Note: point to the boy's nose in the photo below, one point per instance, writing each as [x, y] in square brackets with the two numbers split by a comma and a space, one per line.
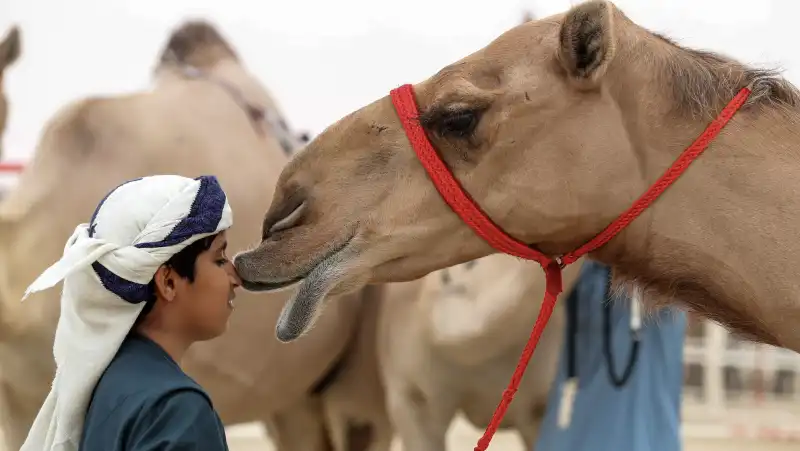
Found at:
[236, 281]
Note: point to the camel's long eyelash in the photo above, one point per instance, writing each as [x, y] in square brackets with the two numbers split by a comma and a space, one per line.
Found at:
[435, 113]
[430, 117]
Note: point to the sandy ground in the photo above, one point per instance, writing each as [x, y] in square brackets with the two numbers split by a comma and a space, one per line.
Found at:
[462, 437]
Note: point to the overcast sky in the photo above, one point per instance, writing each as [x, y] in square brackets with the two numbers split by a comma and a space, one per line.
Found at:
[323, 59]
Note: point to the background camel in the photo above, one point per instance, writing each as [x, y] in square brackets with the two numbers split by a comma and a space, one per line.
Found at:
[205, 115]
[449, 343]
[354, 404]
[10, 50]
[555, 128]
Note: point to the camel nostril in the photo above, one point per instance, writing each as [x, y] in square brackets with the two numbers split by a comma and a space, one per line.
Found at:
[285, 213]
[289, 221]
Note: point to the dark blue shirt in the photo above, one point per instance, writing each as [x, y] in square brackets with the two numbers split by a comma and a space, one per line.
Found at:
[145, 402]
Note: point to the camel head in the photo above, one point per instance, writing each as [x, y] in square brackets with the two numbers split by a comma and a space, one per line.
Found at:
[549, 129]
[196, 49]
[197, 43]
[10, 49]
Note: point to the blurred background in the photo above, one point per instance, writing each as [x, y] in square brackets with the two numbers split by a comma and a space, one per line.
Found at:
[324, 59]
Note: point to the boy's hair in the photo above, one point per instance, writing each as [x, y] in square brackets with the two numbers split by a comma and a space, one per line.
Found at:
[184, 264]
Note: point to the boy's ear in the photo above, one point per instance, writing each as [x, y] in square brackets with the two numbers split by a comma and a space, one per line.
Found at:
[165, 283]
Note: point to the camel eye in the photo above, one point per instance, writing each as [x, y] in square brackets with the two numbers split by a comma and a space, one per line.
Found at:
[458, 124]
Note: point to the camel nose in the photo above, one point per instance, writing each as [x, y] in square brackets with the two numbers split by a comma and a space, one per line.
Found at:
[285, 216]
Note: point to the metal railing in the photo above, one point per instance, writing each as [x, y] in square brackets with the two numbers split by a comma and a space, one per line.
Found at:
[738, 389]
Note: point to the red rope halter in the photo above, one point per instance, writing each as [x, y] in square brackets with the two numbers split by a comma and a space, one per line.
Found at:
[466, 208]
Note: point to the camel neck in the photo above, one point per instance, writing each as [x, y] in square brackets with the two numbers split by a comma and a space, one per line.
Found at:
[721, 238]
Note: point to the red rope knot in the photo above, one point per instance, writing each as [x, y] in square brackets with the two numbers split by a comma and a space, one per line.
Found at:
[552, 274]
[508, 393]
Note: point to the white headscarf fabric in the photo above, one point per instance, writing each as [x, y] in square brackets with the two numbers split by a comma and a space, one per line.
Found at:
[106, 267]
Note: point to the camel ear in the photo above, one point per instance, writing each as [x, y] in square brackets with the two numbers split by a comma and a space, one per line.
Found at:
[587, 41]
[10, 48]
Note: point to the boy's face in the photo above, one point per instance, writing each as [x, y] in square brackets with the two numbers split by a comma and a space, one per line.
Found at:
[205, 305]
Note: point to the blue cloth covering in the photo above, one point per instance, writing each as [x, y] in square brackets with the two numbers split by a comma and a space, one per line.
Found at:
[643, 415]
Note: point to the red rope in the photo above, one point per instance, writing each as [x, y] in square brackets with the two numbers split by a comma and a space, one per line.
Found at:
[449, 188]
[670, 175]
[469, 212]
[9, 166]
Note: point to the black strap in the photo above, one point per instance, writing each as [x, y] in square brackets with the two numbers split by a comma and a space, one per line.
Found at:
[617, 381]
[572, 333]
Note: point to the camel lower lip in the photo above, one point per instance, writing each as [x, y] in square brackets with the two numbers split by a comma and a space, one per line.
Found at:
[251, 285]
[266, 286]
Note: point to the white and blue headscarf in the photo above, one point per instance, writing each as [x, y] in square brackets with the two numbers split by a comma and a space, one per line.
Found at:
[106, 268]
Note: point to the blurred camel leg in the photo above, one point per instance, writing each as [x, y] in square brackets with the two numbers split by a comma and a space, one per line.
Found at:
[354, 403]
[422, 426]
[299, 428]
[529, 429]
[16, 415]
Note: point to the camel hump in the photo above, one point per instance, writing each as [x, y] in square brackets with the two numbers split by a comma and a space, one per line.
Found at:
[74, 130]
[66, 137]
[196, 43]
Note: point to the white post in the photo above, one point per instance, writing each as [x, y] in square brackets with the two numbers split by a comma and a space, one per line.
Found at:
[795, 384]
[795, 387]
[715, 337]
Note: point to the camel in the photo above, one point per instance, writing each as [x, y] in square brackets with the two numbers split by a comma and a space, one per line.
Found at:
[206, 114]
[354, 404]
[451, 340]
[554, 129]
[10, 50]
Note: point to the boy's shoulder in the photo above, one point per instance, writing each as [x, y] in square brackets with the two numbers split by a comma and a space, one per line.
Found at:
[143, 394]
[143, 370]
